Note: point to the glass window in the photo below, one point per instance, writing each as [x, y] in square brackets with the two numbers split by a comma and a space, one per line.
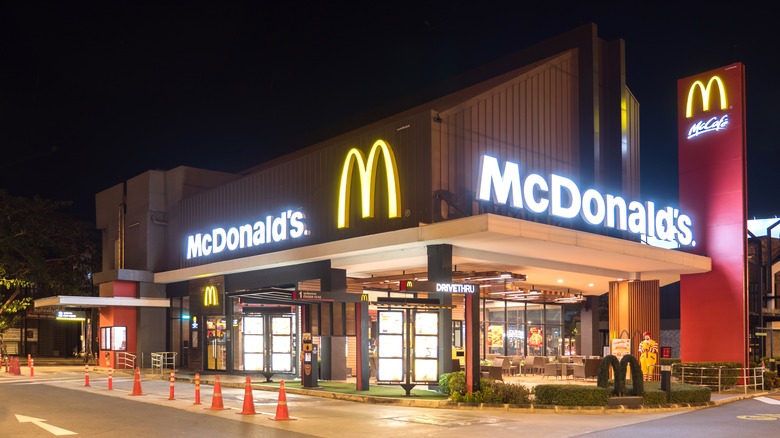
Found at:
[552, 314]
[535, 340]
[554, 340]
[515, 339]
[534, 313]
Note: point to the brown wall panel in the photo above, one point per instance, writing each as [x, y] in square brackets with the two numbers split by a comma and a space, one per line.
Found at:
[528, 119]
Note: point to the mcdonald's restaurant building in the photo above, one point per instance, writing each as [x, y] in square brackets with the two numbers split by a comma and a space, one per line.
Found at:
[465, 226]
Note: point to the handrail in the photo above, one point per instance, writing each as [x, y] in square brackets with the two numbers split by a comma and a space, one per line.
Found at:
[720, 378]
[125, 360]
[164, 360]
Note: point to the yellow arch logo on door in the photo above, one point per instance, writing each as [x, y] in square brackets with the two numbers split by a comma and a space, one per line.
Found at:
[367, 171]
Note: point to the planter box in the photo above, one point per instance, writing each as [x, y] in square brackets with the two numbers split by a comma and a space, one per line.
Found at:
[631, 402]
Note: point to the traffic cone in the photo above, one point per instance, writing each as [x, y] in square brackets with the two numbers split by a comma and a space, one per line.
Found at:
[249, 403]
[17, 367]
[216, 399]
[281, 406]
[137, 383]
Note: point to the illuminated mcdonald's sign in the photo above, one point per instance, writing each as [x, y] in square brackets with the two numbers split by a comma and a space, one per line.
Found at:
[367, 168]
[714, 123]
[210, 296]
[706, 93]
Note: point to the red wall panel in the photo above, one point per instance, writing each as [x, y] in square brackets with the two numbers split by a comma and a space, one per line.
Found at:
[713, 189]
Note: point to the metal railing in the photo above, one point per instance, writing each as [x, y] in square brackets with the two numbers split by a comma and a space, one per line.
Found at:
[720, 378]
[164, 360]
[125, 360]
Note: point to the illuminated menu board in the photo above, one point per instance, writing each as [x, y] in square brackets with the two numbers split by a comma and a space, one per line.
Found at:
[390, 346]
[281, 343]
[426, 347]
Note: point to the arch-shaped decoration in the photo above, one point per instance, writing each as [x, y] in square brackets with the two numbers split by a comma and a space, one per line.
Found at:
[619, 370]
[637, 378]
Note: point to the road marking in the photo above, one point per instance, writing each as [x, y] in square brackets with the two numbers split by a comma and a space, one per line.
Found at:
[40, 422]
[768, 400]
[759, 417]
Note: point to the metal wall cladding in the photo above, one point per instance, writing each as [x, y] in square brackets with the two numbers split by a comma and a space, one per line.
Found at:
[531, 120]
[309, 182]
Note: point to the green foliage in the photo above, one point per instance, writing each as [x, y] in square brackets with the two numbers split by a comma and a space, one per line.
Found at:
[43, 252]
[571, 395]
[680, 394]
[40, 245]
[611, 361]
[490, 391]
[629, 362]
[581, 395]
[493, 392]
[444, 383]
[708, 373]
[619, 370]
[771, 379]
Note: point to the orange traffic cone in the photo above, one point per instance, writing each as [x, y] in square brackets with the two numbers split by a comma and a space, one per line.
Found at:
[137, 383]
[249, 403]
[281, 406]
[216, 399]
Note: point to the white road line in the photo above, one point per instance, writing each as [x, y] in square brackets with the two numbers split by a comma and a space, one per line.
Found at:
[768, 400]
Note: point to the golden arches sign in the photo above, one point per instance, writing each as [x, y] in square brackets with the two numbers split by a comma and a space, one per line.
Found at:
[706, 92]
[367, 168]
[210, 296]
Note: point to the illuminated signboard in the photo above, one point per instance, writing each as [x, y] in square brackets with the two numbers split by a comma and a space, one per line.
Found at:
[713, 120]
[71, 315]
[432, 286]
[286, 225]
[367, 169]
[210, 296]
[561, 197]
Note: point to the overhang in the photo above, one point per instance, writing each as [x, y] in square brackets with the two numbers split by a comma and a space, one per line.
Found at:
[80, 301]
[547, 254]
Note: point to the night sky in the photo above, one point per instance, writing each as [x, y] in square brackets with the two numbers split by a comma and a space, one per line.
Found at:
[94, 93]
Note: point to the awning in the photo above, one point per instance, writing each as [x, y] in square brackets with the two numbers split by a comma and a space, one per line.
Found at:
[81, 301]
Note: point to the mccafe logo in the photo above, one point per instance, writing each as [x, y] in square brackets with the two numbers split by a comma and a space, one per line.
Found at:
[704, 92]
[559, 196]
[367, 168]
[210, 296]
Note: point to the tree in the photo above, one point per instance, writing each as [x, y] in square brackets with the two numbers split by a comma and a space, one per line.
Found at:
[43, 252]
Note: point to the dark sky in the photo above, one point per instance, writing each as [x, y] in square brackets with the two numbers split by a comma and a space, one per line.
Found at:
[94, 93]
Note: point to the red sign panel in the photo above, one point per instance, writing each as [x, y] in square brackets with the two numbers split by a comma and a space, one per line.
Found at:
[713, 190]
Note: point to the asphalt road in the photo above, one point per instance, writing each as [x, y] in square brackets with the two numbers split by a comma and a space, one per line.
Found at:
[59, 404]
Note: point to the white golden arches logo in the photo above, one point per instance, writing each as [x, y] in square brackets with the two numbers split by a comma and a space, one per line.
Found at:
[367, 171]
[706, 92]
[210, 296]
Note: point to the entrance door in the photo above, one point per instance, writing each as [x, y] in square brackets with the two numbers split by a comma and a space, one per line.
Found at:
[216, 353]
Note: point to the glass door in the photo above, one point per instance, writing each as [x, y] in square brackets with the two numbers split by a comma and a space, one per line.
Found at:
[216, 354]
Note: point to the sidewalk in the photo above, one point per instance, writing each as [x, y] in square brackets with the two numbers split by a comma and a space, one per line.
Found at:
[345, 390]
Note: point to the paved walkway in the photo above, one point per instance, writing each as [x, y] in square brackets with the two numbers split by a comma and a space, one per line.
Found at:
[53, 366]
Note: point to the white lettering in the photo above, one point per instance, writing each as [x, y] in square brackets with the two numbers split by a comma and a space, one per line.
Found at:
[218, 234]
[713, 124]
[287, 225]
[532, 181]
[490, 176]
[590, 198]
[557, 209]
[562, 198]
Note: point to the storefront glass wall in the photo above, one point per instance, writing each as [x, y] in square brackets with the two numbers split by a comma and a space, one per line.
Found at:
[521, 329]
